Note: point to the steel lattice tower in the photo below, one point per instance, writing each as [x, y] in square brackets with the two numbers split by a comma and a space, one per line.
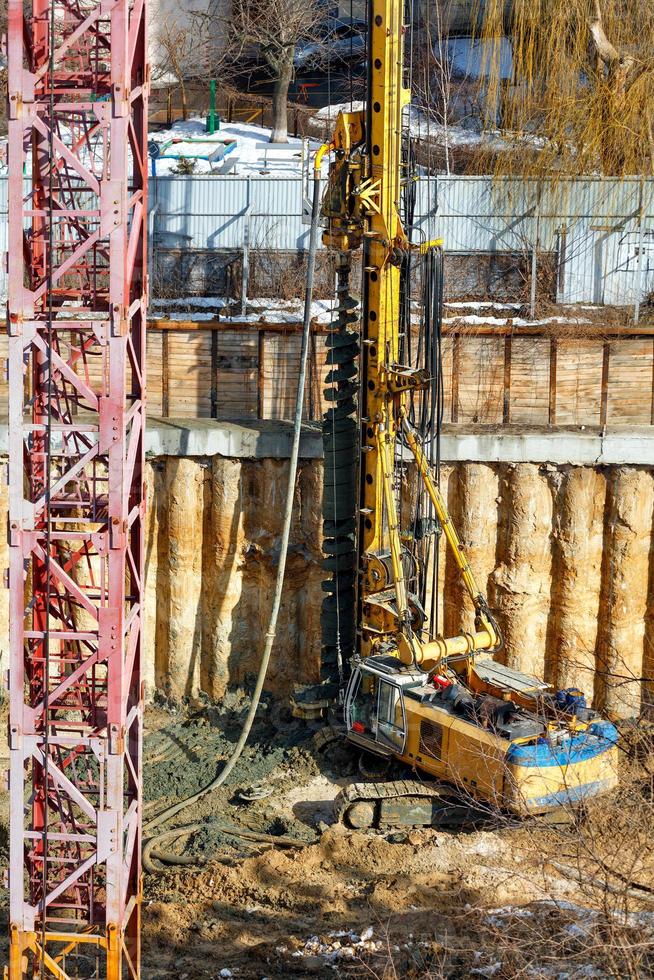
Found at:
[76, 320]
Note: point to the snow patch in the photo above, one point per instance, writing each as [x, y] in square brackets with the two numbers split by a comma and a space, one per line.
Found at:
[254, 153]
[493, 321]
[198, 302]
[332, 111]
[481, 305]
[199, 317]
[422, 127]
[258, 311]
[519, 322]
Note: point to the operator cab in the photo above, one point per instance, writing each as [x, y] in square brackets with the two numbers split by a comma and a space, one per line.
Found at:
[375, 713]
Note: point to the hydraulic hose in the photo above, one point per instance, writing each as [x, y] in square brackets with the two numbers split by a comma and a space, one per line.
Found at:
[271, 632]
[153, 847]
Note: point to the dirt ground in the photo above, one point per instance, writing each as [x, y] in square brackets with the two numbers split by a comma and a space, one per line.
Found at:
[504, 902]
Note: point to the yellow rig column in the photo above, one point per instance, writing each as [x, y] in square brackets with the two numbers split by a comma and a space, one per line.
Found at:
[362, 206]
[383, 240]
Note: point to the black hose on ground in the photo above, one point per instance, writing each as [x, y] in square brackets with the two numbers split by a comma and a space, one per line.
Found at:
[153, 847]
[220, 778]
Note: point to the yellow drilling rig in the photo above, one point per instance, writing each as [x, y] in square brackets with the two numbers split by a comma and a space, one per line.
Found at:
[468, 726]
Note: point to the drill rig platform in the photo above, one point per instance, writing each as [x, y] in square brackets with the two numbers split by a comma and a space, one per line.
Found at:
[442, 705]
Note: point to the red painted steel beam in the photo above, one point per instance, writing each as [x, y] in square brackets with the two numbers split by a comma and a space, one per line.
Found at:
[77, 83]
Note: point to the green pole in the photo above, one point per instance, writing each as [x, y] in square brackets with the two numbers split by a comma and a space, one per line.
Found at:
[211, 118]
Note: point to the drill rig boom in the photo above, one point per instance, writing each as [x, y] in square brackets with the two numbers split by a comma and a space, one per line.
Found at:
[362, 208]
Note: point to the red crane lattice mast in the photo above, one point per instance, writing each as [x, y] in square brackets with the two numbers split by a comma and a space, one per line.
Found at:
[77, 82]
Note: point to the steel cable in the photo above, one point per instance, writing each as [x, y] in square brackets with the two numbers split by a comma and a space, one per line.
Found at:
[153, 847]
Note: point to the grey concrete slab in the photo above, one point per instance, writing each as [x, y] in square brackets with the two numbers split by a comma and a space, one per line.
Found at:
[254, 439]
[582, 447]
[248, 439]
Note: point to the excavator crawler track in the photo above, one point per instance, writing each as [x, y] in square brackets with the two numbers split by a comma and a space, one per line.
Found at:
[403, 803]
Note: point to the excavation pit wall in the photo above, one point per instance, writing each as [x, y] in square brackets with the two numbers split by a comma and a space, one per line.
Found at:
[558, 528]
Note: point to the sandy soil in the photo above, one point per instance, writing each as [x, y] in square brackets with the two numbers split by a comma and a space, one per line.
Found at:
[411, 903]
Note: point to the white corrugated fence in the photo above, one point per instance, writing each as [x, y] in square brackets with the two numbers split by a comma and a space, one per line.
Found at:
[602, 230]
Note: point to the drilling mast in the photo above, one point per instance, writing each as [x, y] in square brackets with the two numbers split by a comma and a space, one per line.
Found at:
[78, 86]
[374, 603]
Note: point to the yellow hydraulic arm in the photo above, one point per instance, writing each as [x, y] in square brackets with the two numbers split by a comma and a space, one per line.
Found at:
[486, 636]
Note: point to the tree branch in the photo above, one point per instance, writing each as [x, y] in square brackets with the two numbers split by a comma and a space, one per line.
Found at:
[605, 50]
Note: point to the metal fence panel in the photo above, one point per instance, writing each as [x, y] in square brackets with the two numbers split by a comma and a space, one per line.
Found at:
[602, 228]
[629, 265]
[581, 266]
[610, 264]
[475, 214]
[217, 212]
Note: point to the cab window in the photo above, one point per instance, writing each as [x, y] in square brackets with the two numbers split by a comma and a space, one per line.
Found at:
[391, 727]
[361, 702]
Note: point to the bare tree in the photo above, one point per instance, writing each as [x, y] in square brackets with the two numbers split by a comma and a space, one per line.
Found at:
[432, 78]
[616, 72]
[186, 48]
[274, 28]
[196, 45]
[444, 79]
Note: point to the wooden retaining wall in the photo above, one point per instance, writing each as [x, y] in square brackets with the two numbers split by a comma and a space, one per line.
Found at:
[542, 375]
[493, 375]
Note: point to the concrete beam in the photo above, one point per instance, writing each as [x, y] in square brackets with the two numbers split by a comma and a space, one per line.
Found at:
[269, 439]
[506, 444]
[632, 445]
[248, 439]
[254, 439]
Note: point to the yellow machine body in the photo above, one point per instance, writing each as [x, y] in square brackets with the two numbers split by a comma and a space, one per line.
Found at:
[524, 766]
[478, 762]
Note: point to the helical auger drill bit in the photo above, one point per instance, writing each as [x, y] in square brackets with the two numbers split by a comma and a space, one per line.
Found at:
[341, 450]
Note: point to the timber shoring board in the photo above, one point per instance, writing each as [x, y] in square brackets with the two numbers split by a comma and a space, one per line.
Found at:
[481, 380]
[531, 375]
[628, 383]
[529, 397]
[578, 382]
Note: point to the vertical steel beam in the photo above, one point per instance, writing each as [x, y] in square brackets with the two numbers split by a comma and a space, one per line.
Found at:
[387, 101]
[78, 86]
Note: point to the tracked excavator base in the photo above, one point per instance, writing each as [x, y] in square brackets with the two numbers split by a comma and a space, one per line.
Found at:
[405, 803]
[387, 804]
